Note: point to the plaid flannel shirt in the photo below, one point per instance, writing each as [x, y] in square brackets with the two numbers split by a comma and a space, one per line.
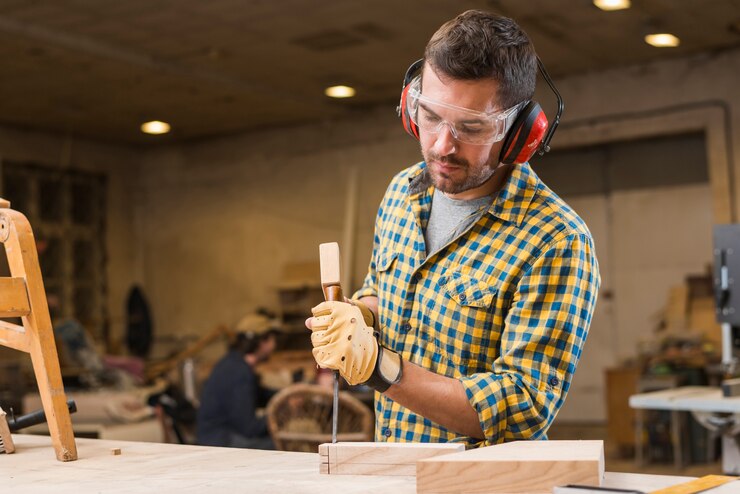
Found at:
[505, 307]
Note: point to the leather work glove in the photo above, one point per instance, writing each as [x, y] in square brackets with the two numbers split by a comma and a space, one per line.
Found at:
[343, 340]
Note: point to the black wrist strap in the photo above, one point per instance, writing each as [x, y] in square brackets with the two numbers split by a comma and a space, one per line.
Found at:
[389, 361]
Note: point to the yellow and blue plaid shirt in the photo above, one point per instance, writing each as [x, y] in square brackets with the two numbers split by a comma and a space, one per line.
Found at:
[505, 307]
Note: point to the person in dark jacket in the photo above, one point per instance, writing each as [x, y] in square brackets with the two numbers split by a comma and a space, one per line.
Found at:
[232, 393]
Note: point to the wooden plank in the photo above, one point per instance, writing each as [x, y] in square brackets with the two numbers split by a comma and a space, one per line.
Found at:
[519, 467]
[365, 458]
[13, 298]
[13, 336]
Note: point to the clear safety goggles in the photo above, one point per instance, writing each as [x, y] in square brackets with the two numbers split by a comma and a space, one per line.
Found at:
[465, 125]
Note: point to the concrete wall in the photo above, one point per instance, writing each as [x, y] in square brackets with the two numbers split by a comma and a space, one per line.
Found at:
[223, 218]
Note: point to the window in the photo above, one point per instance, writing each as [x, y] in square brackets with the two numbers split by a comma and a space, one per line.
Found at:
[67, 211]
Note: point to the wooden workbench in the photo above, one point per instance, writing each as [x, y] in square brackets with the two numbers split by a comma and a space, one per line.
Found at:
[165, 468]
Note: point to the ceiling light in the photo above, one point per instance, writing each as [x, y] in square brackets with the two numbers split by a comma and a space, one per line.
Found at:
[155, 127]
[612, 4]
[339, 91]
[662, 40]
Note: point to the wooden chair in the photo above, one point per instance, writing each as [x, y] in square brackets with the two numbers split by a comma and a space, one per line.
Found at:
[22, 295]
[299, 418]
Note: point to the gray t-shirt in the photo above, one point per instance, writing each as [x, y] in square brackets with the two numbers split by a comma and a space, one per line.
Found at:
[451, 217]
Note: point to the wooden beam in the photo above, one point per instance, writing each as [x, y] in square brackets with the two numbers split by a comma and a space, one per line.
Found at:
[365, 458]
[13, 298]
[530, 467]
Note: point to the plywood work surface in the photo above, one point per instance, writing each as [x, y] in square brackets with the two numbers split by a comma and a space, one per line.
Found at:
[163, 468]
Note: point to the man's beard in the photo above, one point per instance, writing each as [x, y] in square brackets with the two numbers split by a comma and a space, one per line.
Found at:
[473, 178]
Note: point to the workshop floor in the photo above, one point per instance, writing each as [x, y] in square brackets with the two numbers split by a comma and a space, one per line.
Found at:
[617, 464]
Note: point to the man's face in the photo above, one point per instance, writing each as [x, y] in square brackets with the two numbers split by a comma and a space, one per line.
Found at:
[459, 169]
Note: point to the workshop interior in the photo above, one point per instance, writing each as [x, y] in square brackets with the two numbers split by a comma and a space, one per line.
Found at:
[181, 180]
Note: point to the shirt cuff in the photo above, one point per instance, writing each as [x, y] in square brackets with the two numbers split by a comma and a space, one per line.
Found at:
[365, 291]
[485, 396]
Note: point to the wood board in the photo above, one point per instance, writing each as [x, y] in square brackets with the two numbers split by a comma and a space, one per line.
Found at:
[518, 467]
[367, 458]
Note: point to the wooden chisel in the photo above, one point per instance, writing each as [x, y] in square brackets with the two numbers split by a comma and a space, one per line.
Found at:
[329, 261]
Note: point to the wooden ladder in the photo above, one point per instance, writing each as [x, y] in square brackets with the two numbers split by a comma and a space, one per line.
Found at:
[22, 295]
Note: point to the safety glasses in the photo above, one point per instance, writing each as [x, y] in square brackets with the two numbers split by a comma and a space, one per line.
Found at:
[465, 125]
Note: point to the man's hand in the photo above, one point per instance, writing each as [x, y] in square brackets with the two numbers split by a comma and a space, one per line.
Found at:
[343, 341]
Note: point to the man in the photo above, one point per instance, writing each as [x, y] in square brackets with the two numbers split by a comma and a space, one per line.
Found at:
[482, 281]
[232, 393]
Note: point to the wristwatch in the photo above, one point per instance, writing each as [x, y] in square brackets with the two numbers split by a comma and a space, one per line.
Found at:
[388, 370]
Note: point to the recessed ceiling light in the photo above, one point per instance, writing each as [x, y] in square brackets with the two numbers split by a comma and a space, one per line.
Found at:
[612, 4]
[155, 127]
[662, 40]
[339, 91]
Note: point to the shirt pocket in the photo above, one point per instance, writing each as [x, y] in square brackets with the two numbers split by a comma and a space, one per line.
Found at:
[462, 322]
[385, 260]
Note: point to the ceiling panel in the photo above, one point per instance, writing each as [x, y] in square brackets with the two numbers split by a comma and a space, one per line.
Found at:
[98, 68]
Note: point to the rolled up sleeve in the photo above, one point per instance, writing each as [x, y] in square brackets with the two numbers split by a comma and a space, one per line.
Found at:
[542, 340]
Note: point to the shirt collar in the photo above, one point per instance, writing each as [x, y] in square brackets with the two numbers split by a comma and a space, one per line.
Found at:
[512, 201]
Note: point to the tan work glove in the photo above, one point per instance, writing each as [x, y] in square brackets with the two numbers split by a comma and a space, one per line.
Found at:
[343, 341]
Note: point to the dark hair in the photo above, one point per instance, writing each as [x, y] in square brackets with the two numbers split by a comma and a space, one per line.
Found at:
[246, 343]
[477, 45]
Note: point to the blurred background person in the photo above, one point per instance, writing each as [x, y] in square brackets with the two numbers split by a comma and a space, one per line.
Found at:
[233, 393]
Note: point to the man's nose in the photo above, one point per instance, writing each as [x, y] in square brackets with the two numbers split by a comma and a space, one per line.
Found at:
[445, 143]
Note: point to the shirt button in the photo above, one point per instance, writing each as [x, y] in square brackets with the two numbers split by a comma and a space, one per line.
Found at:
[407, 327]
[462, 297]
[387, 433]
[554, 381]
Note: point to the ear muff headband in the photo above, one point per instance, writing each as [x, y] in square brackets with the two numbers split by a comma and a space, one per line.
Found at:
[530, 132]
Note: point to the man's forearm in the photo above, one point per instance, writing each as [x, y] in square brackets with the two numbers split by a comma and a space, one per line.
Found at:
[438, 398]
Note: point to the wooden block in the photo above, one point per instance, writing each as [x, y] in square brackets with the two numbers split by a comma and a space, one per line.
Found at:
[115, 451]
[364, 458]
[530, 467]
[13, 298]
[6, 440]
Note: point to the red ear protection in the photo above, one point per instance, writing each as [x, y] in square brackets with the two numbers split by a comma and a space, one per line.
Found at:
[408, 124]
[530, 132]
[525, 135]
